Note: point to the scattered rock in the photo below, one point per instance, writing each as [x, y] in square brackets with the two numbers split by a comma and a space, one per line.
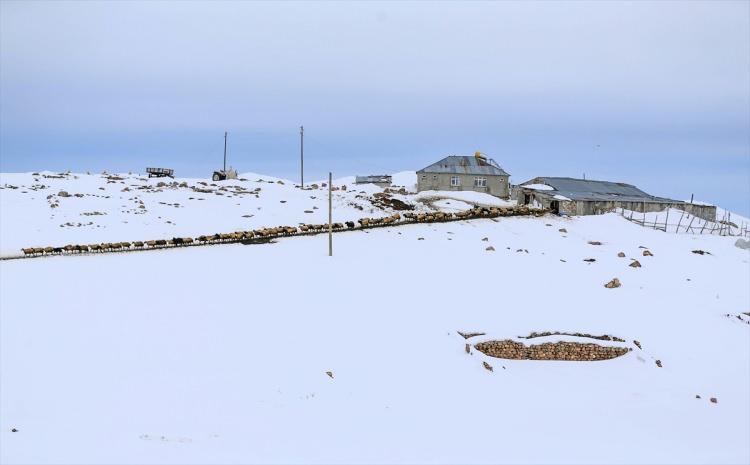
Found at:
[635, 264]
[420, 238]
[638, 344]
[468, 348]
[330, 374]
[490, 249]
[13, 430]
[743, 244]
[621, 254]
[282, 201]
[64, 194]
[487, 366]
[309, 211]
[701, 252]
[697, 396]
[613, 284]
[714, 400]
[595, 243]
[647, 253]
[658, 363]
[562, 230]
[485, 239]
[590, 260]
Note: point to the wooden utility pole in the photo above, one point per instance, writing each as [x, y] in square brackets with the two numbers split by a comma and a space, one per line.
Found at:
[302, 157]
[225, 151]
[330, 215]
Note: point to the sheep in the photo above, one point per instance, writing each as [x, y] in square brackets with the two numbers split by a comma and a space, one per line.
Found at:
[138, 244]
[95, 247]
[350, 224]
[161, 242]
[151, 243]
[187, 240]
[28, 251]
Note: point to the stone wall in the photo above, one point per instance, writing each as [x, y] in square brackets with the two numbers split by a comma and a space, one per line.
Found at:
[572, 351]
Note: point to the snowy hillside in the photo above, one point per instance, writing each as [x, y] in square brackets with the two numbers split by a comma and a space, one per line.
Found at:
[55, 209]
[277, 353]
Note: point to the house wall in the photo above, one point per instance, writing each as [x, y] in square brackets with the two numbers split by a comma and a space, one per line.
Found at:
[379, 184]
[706, 212]
[496, 185]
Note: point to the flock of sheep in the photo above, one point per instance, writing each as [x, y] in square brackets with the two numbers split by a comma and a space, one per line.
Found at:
[282, 231]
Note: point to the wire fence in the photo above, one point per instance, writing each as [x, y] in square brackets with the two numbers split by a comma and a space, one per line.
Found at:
[687, 223]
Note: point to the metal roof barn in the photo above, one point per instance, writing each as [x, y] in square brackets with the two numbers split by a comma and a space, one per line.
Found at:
[589, 190]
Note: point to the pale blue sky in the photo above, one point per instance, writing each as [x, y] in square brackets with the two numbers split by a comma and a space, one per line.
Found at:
[652, 93]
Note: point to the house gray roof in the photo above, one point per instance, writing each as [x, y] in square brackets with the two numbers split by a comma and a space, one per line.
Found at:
[585, 189]
[456, 164]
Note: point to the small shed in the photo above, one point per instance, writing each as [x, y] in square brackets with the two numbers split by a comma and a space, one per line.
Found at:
[382, 180]
[570, 196]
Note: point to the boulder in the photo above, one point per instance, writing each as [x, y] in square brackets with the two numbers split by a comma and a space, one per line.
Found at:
[613, 284]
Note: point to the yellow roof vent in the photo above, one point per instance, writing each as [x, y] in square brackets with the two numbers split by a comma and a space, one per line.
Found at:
[480, 155]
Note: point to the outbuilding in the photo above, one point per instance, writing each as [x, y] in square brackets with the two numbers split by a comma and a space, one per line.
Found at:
[465, 173]
[570, 196]
[381, 180]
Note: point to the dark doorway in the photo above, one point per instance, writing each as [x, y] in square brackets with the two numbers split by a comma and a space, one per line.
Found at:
[555, 207]
[526, 199]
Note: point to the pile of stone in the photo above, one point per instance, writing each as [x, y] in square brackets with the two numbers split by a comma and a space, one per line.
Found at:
[571, 351]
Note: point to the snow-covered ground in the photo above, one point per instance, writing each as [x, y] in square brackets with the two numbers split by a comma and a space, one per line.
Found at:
[219, 354]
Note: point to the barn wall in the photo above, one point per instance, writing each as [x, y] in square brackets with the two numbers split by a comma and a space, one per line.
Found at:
[706, 212]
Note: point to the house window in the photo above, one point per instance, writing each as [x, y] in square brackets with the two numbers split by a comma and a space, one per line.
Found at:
[424, 177]
[480, 182]
[455, 181]
[434, 178]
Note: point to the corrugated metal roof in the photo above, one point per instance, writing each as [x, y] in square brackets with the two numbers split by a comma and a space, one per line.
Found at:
[457, 164]
[586, 189]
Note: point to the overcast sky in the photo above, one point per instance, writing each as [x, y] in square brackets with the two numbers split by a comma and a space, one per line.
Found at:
[652, 93]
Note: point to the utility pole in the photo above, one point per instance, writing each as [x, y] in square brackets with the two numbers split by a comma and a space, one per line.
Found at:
[302, 157]
[225, 151]
[330, 215]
